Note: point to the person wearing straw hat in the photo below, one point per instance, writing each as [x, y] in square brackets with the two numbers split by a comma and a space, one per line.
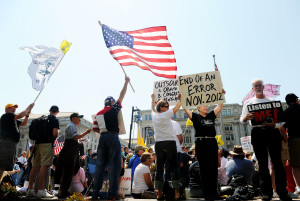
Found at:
[10, 134]
[240, 165]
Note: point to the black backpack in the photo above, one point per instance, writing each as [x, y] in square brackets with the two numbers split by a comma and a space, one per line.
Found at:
[38, 129]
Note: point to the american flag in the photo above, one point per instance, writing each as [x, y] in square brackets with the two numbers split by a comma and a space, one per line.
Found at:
[147, 48]
[58, 144]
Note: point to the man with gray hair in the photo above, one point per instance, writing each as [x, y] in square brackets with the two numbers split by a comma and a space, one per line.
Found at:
[266, 140]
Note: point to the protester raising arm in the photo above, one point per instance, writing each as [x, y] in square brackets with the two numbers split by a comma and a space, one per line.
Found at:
[153, 103]
[123, 92]
[219, 107]
[25, 112]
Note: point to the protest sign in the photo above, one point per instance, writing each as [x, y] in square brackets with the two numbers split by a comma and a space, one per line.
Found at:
[125, 186]
[166, 90]
[201, 89]
[246, 144]
[265, 112]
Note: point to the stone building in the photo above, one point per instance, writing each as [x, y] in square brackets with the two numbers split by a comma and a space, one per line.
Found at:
[233, 130]
[64, 120]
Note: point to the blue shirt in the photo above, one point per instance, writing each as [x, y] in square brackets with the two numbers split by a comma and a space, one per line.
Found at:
[243, 167]
[71, 131]
[134, 162]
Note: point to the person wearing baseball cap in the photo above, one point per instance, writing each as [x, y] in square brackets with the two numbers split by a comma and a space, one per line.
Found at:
[10, 134]
[291, 117]
[43, 155]
[69, 156]
[106, 123]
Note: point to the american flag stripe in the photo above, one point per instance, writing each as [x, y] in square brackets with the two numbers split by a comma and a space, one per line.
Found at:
[147, 48]
[146, 56]
[59, 144]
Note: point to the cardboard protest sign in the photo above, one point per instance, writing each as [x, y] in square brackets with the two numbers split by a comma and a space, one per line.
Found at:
[246, 144]
[265, 112]
[201, 89]
[125, 187]
[166, 90]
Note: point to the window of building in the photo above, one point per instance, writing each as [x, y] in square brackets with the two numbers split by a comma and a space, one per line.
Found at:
[146, 117]
[187, 139]
[232, 137]
[174, 116]
[95, 147]
[229, 111]
[227, 137]
[224, 112]
[228, 127]
[150, 117]
[185, 116]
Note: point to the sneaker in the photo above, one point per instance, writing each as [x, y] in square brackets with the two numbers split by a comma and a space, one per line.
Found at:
[275, 195]
[293, 195]
[30, 193]
[43, 194]
[297, 192]
[55, 192]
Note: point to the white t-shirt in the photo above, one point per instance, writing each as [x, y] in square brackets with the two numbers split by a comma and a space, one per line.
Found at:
[222, 177]
[251, 101]
[139, 184]
[177, 131]
[163, 127]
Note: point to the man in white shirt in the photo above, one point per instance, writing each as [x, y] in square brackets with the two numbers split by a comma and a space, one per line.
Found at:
[266, 139]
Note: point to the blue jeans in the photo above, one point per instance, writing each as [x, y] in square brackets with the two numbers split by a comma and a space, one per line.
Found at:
[19, 178]
[108, 153]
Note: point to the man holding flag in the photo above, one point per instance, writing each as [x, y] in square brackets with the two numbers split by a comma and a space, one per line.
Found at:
[109, 147]
[10, 134]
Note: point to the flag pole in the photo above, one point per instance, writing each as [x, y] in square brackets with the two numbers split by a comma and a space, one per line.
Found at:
[51, 75]
[120, 64]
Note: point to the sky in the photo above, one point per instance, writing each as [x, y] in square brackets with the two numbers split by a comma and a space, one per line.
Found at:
[251, 39]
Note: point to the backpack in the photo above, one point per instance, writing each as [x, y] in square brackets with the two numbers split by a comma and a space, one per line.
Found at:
[38, 129]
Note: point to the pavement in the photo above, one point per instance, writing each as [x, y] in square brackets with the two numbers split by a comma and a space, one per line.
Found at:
[132, 199]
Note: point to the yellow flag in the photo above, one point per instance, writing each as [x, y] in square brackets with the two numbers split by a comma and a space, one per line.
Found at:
[141, 140]
[65, 45]
[189, 122]
[219, 140]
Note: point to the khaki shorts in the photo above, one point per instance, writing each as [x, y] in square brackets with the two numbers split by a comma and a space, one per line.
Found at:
[285, 151]
[43, 155]
[294, 148]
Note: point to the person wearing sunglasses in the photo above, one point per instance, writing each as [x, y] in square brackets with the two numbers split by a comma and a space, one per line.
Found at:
[165, 145]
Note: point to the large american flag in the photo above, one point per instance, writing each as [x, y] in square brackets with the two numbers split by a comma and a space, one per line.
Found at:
[147, 48]
[58, 144]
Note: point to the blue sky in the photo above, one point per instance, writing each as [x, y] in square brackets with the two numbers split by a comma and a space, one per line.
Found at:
[249, 38]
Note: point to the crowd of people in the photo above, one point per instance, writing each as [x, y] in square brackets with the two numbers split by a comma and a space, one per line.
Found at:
[169, 171]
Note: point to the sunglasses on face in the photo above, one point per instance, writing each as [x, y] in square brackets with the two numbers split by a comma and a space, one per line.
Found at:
[166, 106]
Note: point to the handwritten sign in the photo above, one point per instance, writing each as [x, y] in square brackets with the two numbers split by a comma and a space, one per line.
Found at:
[201, 89]
[265, 112]
[125, 186]
[166, 90]
[246, 144]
